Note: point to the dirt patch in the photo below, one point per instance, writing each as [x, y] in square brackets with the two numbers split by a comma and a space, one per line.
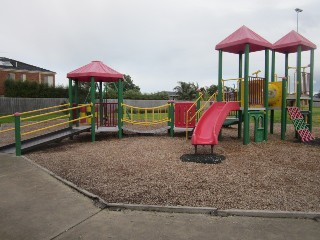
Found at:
[274, 175]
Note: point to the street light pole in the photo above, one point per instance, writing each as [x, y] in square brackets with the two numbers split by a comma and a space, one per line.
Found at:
[298, 10]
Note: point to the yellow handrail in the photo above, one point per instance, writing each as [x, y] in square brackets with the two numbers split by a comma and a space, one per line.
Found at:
[142, 114]
[42, 109]
[46, 114]
[43, 121]
[197, 113]
[55, 125]
[7, 130]
[11, 115]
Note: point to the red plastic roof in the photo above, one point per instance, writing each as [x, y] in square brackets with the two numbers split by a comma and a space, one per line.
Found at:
[290, 42]
[96, 69]
[235, 43]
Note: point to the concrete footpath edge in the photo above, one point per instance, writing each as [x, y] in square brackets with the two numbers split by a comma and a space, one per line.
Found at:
[99, 202]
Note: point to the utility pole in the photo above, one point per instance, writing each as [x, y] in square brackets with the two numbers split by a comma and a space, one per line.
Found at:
[298, 10]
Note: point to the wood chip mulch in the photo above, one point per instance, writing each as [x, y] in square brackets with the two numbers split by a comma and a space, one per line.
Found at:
[273, 175]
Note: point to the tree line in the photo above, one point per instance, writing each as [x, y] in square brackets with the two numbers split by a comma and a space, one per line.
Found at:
[31, 89]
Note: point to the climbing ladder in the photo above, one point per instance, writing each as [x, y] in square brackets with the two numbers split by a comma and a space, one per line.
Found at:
[299, 124]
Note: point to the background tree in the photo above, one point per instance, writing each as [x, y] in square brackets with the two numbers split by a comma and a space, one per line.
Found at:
[212, 89]
[186, 91]
[129, 85]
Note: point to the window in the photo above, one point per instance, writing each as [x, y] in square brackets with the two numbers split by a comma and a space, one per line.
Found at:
[11, 76]
[48, 80]
[6, 63]
[23, 77]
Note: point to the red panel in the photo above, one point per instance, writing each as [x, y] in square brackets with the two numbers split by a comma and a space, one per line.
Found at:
[180, 111]
[110, 114]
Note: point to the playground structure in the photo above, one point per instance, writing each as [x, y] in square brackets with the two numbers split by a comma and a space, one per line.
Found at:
[255, 98]
[257, 95]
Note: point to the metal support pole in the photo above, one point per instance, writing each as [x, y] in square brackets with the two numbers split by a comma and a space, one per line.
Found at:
[120, 110]
[286, 72]
[93, 100]
[239, 95]
[17, 132]
[171, 118]
[311, 88]
[273, 66]
[220, 77]
[70, 101]
[76, 96]
[266, 94]
[299, 76]
[100, 104]
[283, 108]
[246, 137]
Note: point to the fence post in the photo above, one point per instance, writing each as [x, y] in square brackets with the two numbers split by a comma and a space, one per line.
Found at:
[17, 133]
[171, 117]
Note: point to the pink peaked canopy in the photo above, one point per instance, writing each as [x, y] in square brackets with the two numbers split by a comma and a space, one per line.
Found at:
[96, 69]
[290, 42]
[235, 43]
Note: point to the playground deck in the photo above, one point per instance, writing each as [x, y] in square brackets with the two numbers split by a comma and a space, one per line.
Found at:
[32, 143]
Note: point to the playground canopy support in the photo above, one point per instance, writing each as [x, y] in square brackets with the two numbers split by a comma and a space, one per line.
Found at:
[244, 41]
[96, 71]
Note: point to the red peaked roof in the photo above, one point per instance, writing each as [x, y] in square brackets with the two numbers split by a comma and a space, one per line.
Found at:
[235, 43]
[96, 69]
[290, 42]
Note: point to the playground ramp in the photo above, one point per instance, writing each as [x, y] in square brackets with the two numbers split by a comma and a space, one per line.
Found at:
[207, 130]
[32, 143]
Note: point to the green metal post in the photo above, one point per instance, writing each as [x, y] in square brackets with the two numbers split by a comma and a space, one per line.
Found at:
[266, 94]
[93, 101]
[220, 77]
[311, 88]
[100, 104]
[283, 108]
[120, 109]
[70, 101]
[286, 73]
[239, 96]
[246, 137]
[171, 117]
[299, 76]
[17, 133]
[273, 67]
[76, 96]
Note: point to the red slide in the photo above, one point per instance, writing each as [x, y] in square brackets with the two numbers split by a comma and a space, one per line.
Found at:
[209, 125]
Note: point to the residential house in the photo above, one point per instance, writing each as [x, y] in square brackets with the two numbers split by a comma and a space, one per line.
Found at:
[19, 71]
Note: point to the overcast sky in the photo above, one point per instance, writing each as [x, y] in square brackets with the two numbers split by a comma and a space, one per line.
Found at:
[157, 43]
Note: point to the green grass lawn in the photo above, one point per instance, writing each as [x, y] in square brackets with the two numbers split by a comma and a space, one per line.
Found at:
[10, 119]
[315, 115]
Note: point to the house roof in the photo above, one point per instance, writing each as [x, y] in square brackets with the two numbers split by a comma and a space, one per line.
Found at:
[7, 63]
[290, 42]
[96, 69]
[235, 43]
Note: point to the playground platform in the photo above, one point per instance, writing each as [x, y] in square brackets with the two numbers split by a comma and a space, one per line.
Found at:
[32, 143]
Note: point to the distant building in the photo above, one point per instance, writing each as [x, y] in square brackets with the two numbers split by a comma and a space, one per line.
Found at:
[19, 71]
[172, 95]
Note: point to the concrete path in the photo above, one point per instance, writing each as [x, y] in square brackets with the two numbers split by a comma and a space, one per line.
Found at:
[34, 205]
